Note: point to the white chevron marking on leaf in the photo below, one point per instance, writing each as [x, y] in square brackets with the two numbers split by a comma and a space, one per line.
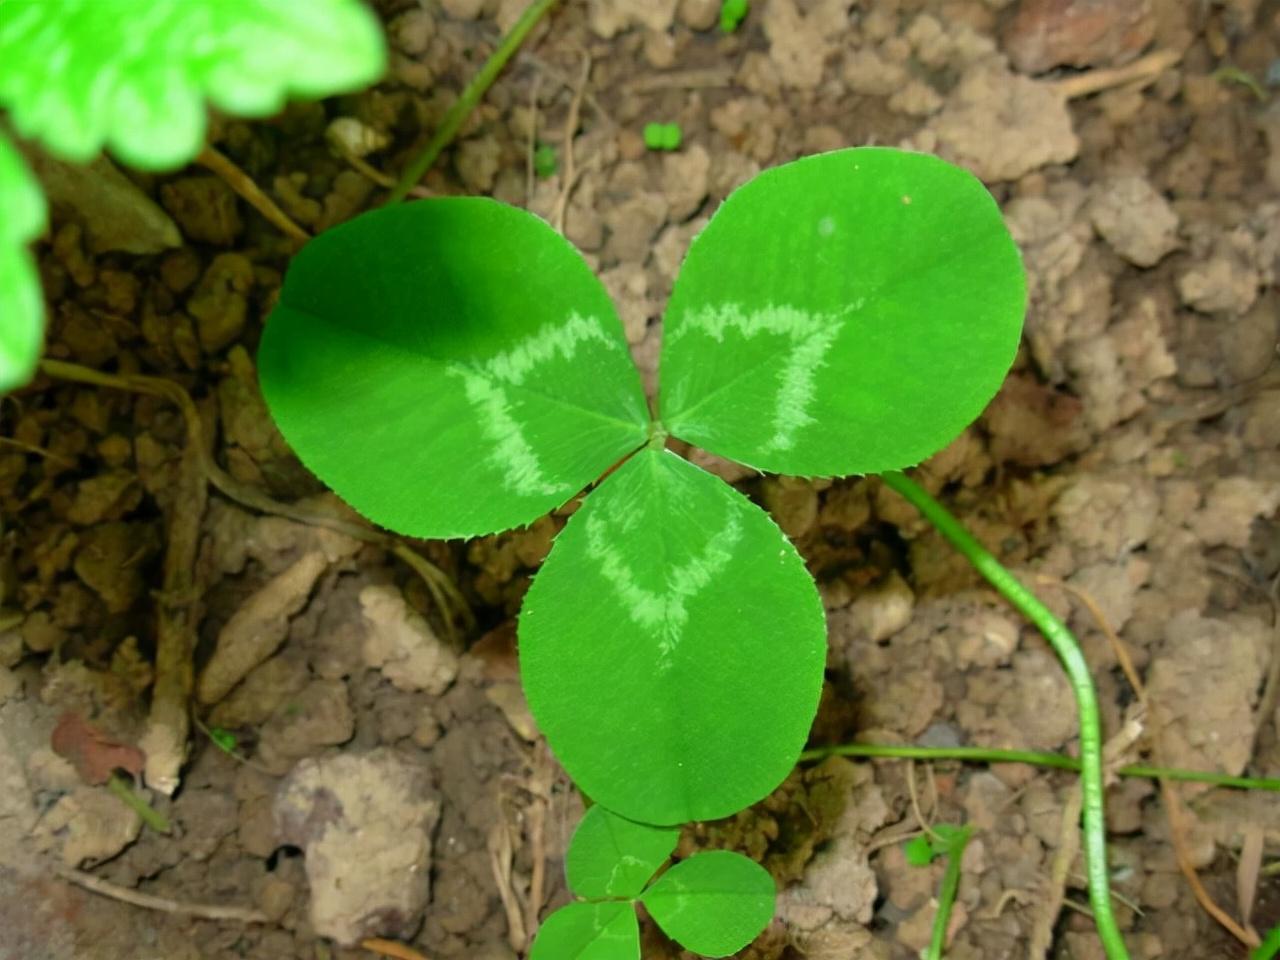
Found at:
[485, 388]
[663, 611]
[810, 337]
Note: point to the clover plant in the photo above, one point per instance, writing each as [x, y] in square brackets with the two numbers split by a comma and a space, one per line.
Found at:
[453, 368]
[713, 903]
[81, 75]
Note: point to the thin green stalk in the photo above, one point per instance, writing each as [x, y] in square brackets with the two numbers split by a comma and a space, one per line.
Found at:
[150, 816]
[468, 99]
[1058, 761]
[1068, 651]
[947, 895]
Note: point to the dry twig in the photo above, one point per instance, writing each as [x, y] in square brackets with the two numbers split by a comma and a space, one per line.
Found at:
[569, 173]
[501, 855]
[1051, 905]
[532, 144]
[148, 902]
[177, 618]
[1143, 70]
[243, 184]
[367, 170]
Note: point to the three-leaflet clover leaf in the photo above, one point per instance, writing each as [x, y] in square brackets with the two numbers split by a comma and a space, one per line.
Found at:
[610, 856]
[450, 367]
[861, 307]
[672, 645]
[714, 903]
[22, 217]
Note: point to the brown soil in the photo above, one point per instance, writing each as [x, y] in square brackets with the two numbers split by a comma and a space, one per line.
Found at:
[1133, 455]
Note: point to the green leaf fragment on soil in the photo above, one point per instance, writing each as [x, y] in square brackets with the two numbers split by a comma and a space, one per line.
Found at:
[450, 367]
[611, 856]
[672, 645]
[81, 74]
[589, 931]
[732, 13]
[22, 218]
[545, 160]
[713, 903]
[663, 136]
[851, 312]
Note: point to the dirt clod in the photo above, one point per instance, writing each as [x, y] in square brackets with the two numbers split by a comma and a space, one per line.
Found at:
[364, 823]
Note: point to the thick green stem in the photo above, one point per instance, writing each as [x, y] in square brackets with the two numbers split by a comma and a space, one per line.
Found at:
[468, 99]
[1068, 650]
[1057, 761]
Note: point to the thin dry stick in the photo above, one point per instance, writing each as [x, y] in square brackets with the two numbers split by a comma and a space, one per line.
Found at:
[1247, 872]
[539, 787]
[38, 451]
[1021, 897]
[177, 619]
[202, 910]
[1095, 81]
[570, 130]
[533, 60]
[925, 823]
[1172, 801]
[1068, 846]
[243, 184]
[389, 948]
[500, 858]
[370, 172]
[681, 80]
[436, 582]
[532, 144]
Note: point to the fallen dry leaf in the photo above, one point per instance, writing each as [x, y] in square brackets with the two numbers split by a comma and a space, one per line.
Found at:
[91, 752]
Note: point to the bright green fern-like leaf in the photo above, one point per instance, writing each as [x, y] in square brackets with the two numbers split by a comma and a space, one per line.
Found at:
[847, 313]
[614, 857]
[713, 903]
[450, 367]
[22, 217]
[672, 624]
[133, 76]
[589, 931]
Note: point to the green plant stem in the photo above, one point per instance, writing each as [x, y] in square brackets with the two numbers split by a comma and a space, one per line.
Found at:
[150, 816]
[1269, 947]
[468, 99]
[1035, 758]
[947, 895]
[1068, 651]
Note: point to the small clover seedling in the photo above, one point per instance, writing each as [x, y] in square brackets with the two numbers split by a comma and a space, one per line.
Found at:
[663, 136]
[80, 75]
[545, 161]
[453, 368]
[732, 13]
[943, 840]
[713, 903]
[923, 850]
